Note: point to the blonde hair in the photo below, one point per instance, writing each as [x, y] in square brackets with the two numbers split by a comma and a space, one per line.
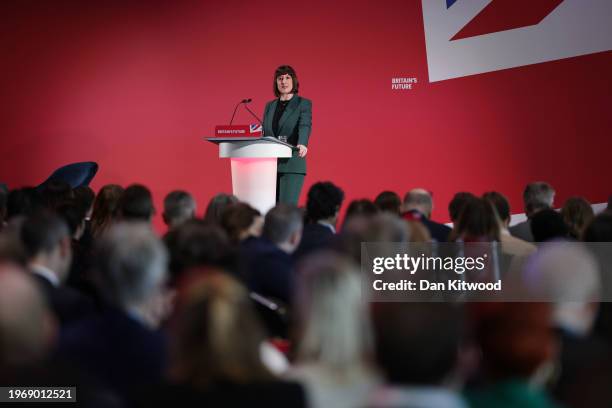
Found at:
[333, 322]
[217, 336]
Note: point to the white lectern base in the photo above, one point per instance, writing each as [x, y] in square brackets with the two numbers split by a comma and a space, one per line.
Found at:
[254, 181]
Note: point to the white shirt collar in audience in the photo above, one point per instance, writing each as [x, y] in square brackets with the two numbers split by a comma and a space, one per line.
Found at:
[328, 225]
[46, 273]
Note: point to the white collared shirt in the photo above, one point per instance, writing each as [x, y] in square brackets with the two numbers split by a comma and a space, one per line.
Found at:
[46, 273]
[328, 225]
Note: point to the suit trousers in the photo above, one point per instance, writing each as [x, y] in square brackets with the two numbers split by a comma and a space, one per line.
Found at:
[288, 187]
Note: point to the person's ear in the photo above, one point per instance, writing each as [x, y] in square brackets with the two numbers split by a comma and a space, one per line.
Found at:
[296, 237]
[65, 247]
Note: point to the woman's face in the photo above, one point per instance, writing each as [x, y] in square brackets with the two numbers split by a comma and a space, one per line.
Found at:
[284, 83]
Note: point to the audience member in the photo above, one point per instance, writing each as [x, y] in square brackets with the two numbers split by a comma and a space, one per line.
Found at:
[216, 206]
[477, 222]
[85, 198]
[241, 221]
[216, 353]
[455, 206]
[510, 244]
[362, 207]
[322, 209]
[55, 193]
[547, 225]
[179, 206]
[120, 346]
[418, 205]
[47, 243]
[536, 197]
[106, 209]
[518, 347]
[24, 201]
[568, 276]
[577, 214]
[136, 204]
[27, 327]
[269, 258]
[333, 333]
[196, 244]
[598, 235]
[417, 347]
[389, 201]
[3, 206]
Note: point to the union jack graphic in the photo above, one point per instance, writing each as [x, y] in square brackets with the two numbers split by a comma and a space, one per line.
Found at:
[467, 37]
[255, 128]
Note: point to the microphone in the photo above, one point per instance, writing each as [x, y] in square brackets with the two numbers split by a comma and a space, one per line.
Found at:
[251, 112]
[236, 108]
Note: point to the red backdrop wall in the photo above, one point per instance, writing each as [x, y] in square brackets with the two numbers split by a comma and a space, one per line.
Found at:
[135, 86]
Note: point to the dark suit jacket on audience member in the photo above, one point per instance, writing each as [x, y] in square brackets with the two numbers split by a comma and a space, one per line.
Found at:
[120, 351]
[522, 230]
[269, 269]
[439, 232]
[314, 236]
[265, 394]
[68, 304]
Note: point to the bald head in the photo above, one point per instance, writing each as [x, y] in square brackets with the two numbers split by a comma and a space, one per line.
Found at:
[27, 327]
[418, 199]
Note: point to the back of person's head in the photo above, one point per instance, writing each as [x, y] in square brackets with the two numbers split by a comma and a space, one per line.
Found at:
[43, 232]
[216, 206]
[106, 208]
[599, 229]
[3, 204]
[477, 221]
[12, 251]
[324, 201]
[130, 265]
[216, 334]
[419, 199]
[386, 227]
[516, 338]
[55, 193]
[196, 243]
[456, 204]
[417, 343]
[538, 196]
[362, 207]
[577, 214]
[501, 205]
[24, 201]
[566, 274]
[136, 204]
[389, 201]
[240, 220]
[333, 325]
[283, 224]
[27, 327]
[179, 206]
[548, 224]
[73, 213]
[85, 197]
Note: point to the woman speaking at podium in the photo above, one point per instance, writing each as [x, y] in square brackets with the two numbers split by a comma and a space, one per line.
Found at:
[289, 118]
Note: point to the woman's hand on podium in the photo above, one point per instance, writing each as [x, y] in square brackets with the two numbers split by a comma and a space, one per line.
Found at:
[303, 150]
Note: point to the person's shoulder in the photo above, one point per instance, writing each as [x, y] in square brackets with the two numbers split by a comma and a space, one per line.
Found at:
[305, 101]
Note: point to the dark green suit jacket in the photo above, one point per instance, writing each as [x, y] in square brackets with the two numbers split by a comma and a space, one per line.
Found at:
[295, 123]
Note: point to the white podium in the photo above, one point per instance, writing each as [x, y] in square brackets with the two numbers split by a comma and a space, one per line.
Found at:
[253, 162]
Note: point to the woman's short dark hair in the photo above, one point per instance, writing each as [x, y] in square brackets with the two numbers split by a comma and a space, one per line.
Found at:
[282, 70]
